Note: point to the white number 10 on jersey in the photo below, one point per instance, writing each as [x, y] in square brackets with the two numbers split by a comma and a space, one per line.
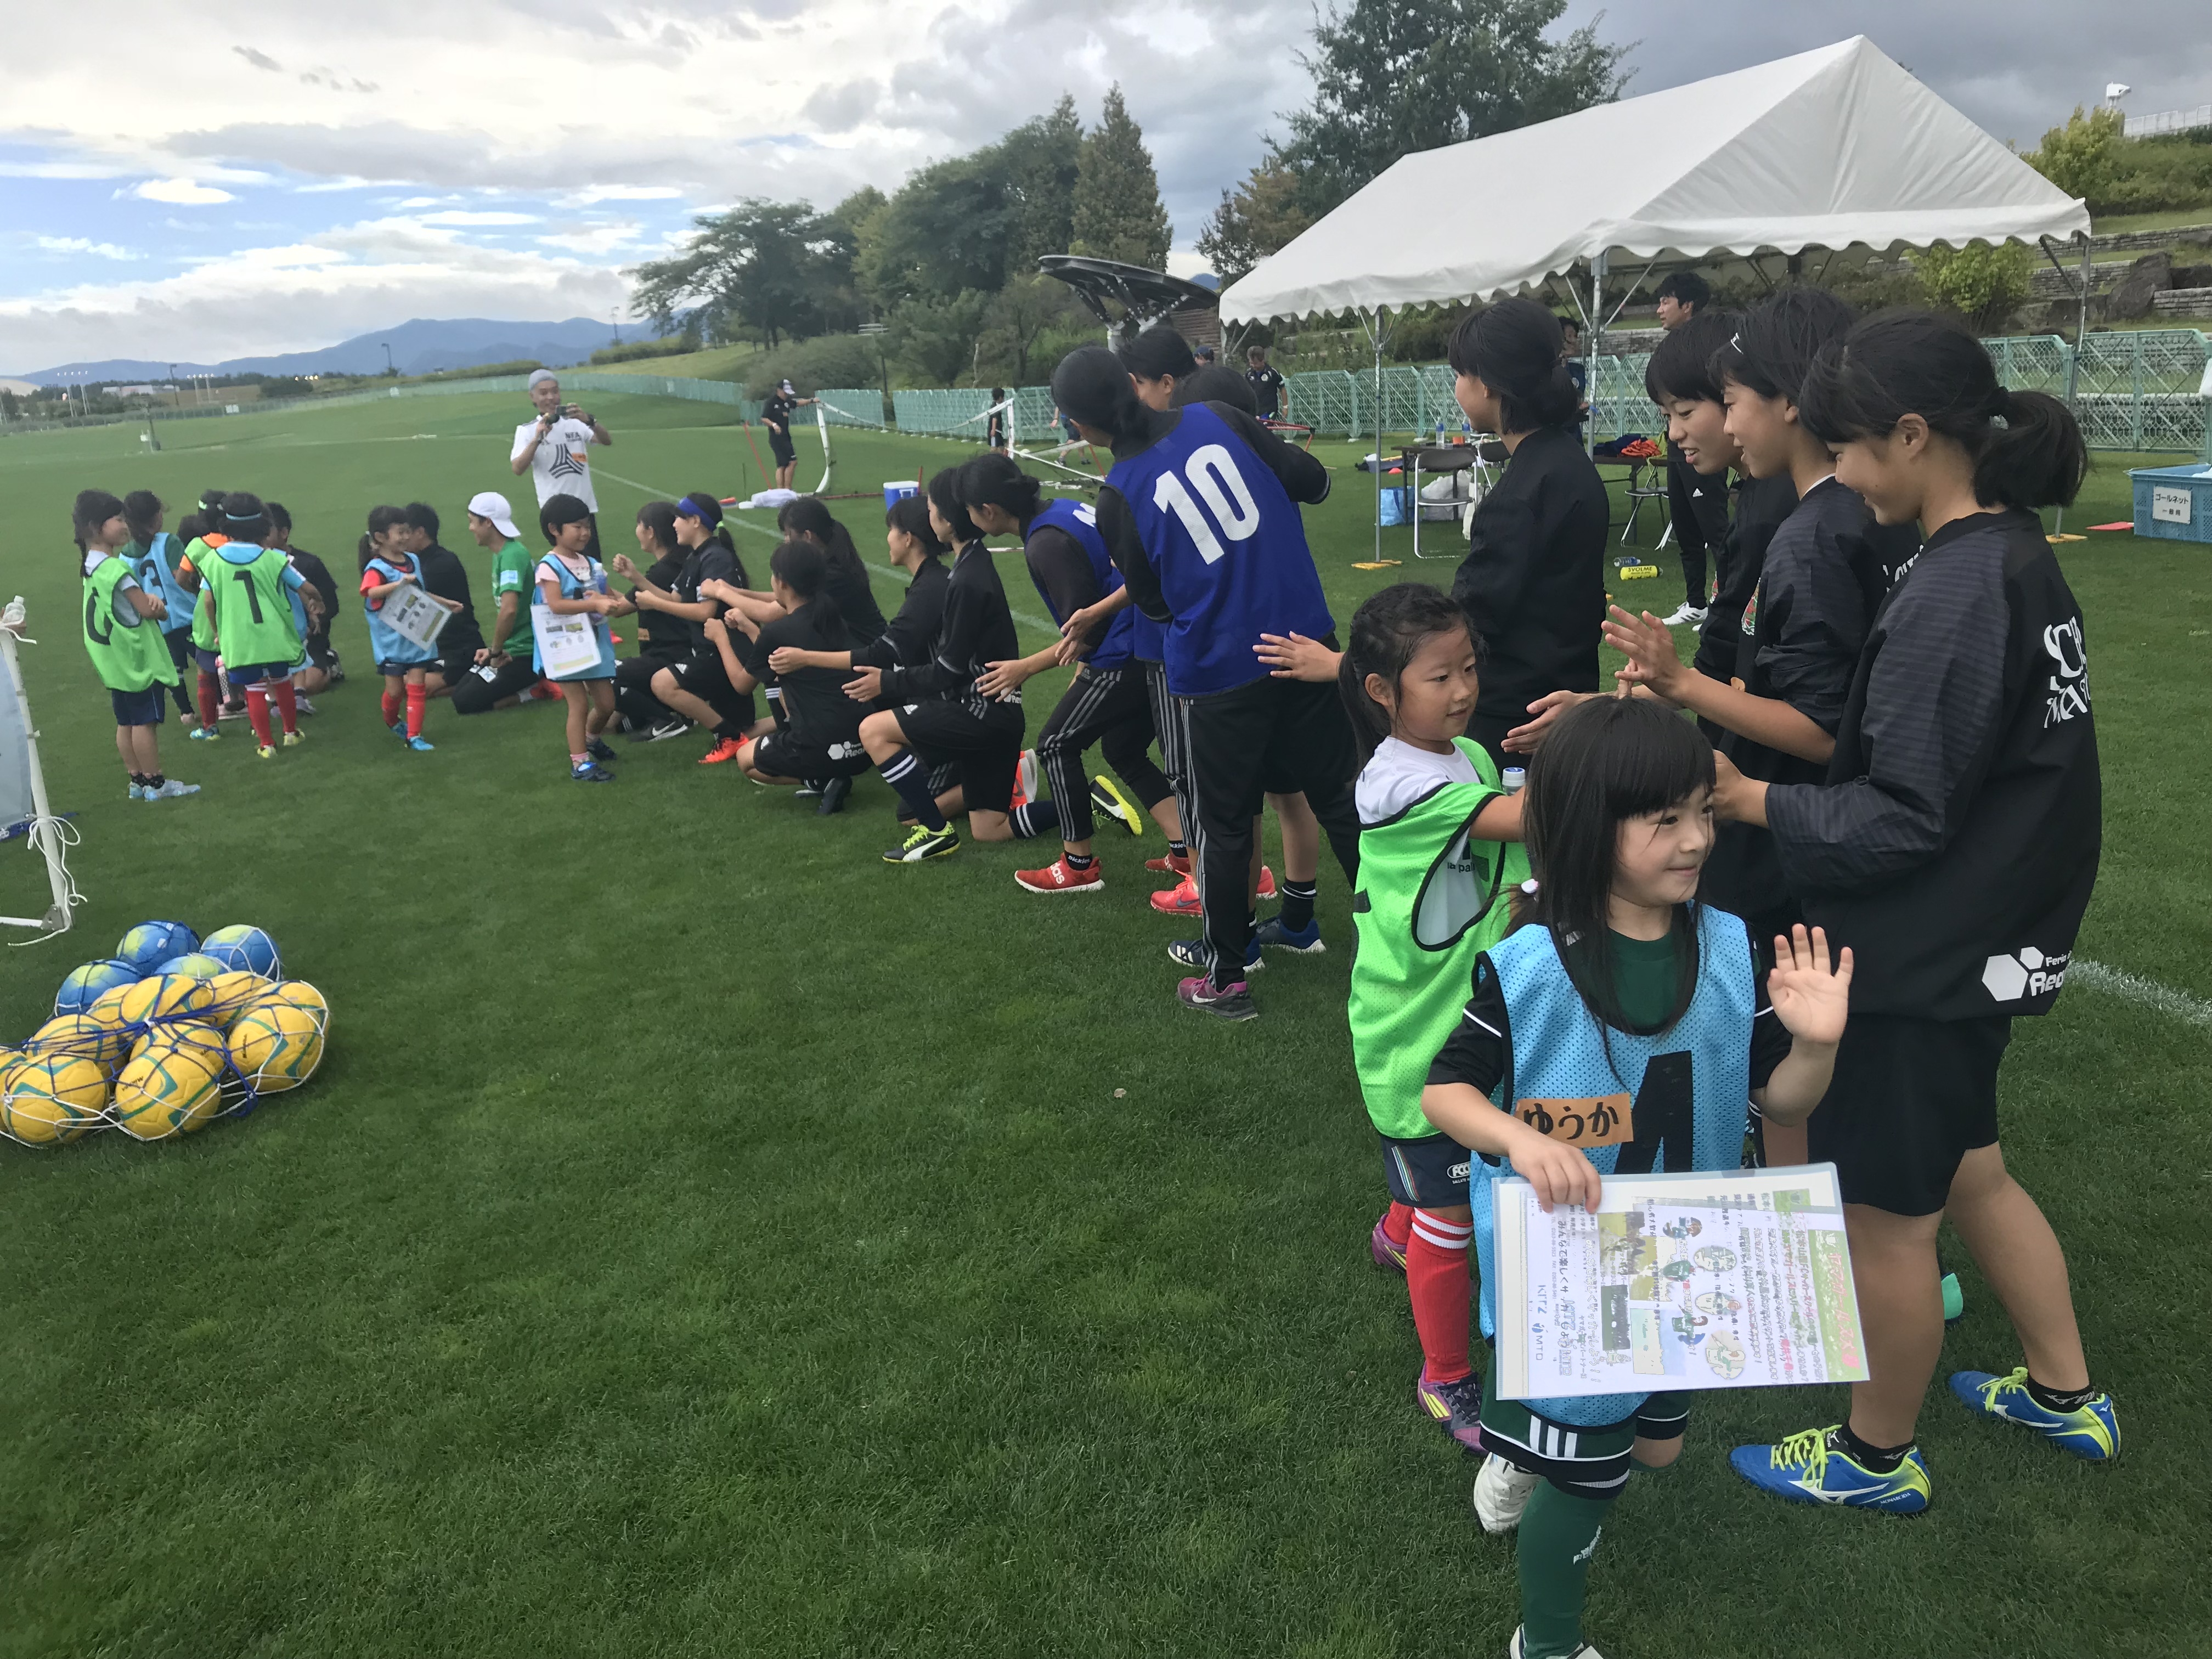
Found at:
[1229, 509]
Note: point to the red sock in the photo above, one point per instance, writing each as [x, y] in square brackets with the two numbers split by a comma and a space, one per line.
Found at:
[1436, 1275]
[418, 699]
[1398, 1223]
[287, 704]
[390, 703]
[257, 710]
[207, 700]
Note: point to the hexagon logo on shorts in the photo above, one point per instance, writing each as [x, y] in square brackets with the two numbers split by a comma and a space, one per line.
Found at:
[2004, 978]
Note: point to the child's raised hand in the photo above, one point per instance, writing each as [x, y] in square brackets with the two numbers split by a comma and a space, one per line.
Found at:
[1547, 708]
[1560, 1174]
[1811, 1002]
[1648, 646]
[624, 567]
[1295, 657]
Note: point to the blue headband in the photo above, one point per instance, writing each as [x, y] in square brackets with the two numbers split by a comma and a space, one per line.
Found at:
[695, 506]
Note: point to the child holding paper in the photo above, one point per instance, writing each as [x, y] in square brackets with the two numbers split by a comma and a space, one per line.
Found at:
[386, 568]
[1616, 989]
[572, 583]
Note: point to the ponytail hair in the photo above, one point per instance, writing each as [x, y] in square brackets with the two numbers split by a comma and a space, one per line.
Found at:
[944, 491]
[1605, 761]
[995, 479]
[1513, 347]
[140, 508]
[93, 508]
[659, 519]
[1914, 362]
[1387, 631]
[1092, 386]
[380, 518]
[804, 567]
[910, 514]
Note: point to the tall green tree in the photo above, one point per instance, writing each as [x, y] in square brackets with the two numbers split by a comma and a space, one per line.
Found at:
[1040, 159]
[763, 269]
[945, 233]
[2079, 157]
[934, 340]
[1395, 76]
[1259, 218]
[1118, 213]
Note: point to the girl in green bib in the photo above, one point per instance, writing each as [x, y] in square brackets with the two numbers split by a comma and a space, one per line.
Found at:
[1438, 855]
[249, 588]
[123, 637]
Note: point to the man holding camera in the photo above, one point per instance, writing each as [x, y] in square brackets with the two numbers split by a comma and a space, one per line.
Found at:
[554, 448]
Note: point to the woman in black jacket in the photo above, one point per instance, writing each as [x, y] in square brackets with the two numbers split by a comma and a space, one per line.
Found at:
[1533, 582]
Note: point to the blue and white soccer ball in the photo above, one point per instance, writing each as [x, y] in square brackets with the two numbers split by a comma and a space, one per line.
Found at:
[85, 985]
[243, 950]
[151, 943]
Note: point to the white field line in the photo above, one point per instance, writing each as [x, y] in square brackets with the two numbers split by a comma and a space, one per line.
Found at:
[2144, 992]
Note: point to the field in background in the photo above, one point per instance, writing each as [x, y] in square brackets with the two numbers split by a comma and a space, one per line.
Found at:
[702, 1237]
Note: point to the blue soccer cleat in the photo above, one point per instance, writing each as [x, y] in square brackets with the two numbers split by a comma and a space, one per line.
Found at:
[1306, 940]
[2090, 1431]
[420, 745]
[1809, 1467]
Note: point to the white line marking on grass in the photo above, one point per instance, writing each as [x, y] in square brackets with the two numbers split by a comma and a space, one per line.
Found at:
[2149, 993]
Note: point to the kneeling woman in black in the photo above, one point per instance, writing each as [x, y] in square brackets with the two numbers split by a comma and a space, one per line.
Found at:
[935, 712]
[818, 742]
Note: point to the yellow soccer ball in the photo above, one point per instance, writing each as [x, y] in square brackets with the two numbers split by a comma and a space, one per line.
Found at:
[276, 1044]
[49, 1100]
[234, 993]
[165, 996]
[79, 1035]
[172, 1083]
[299, 994]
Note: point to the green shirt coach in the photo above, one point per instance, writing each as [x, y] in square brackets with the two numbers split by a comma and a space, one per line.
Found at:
[506, 667]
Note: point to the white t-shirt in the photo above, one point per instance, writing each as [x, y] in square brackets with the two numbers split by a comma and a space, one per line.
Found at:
[1401, 774]
[561, 465]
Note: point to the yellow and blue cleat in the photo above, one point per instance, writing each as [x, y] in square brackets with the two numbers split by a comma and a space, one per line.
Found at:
[2090, 1431]
[1811, 1467]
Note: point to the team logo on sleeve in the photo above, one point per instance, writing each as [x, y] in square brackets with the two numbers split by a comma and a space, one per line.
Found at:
[2025, 973]
[2067, 691]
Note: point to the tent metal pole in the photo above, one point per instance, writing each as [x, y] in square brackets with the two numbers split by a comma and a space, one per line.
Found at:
[1375, 333]
[1592, 341]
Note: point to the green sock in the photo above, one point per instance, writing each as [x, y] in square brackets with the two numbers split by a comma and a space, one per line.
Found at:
[1558, 1536]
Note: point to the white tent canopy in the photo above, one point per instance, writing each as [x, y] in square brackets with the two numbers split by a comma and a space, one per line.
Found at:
[1832, 149]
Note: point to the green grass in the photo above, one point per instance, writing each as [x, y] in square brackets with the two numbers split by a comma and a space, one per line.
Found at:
[2172, 219]
[703, 1239]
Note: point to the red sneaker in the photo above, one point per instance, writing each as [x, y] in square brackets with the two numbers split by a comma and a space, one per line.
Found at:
[725, 749]
[544, 691]
[1181, 900]
[1060, 877]
[1170, 865]
[1266, 882]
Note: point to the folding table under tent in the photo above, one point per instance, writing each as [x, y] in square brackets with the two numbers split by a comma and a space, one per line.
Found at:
[1837, 148]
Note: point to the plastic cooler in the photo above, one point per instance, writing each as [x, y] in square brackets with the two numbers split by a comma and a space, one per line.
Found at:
[2174, 503]
[896, 490]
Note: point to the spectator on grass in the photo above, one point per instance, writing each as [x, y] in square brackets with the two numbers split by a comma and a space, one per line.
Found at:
[1570, 350]
[506, 665]
[1266, 384]
[555, 449]
[1698, 513]
[321, 669]
[444, 577]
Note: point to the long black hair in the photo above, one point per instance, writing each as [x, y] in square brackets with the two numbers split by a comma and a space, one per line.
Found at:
[1682, 364]
[1092, 386]
[1776, 341]
[995, 479]
[380, 518]
[910, 513]
[808, 516]
[245, 518]
[1215, 385]
[1605, 761]
[944, 492]
[659, 519]
[705, 507]
[140, 508]
[1387, 631]
[802, 567]
[1914, 362]
[93, 508]
[1513, 347]
[1158, 354]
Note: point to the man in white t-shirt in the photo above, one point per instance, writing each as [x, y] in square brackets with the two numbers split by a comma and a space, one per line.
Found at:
[554, 449]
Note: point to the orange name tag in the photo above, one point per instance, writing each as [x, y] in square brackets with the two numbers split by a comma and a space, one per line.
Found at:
[1601, 1120]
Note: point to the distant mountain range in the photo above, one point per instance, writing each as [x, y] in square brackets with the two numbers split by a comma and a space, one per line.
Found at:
[422, 346]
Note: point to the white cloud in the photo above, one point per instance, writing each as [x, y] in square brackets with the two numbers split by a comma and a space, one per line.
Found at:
[593, 194]
[79, 245]
[455, 216]
[180, 193]
[601, 239]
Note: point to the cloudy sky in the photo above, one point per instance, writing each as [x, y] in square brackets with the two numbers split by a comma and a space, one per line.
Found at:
[259, 175]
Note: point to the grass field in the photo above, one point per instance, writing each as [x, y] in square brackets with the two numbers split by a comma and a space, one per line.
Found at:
[702, 1238]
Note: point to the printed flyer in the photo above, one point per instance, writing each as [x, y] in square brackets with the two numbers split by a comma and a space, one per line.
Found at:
[1726, 1279]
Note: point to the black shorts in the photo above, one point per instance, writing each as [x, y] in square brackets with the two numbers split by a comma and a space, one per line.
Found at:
[779, 445]
[1911, 1097]
[481, 689]
[1429, 1173]
[983, 749]
[1585, 1462]
[703, 675]
[146, 707]
[319, 652]
[781, 756]
[395, 671]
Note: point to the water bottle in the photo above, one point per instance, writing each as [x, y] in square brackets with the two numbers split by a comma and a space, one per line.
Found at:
[1514, 778]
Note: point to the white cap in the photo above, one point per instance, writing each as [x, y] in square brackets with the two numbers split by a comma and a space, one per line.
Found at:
[490, 504]
[538, 376]
[785, 385]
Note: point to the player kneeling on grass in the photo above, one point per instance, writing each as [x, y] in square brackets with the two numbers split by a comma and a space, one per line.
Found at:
[123, 637]
[1106, 703]
[934, 714]
[249, 586]
[570, 582]
[1436, 869]
[1615, 981]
